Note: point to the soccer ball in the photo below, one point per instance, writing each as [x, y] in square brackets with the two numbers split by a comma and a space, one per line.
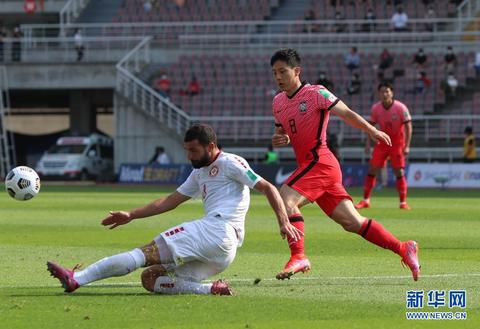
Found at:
[22, 183]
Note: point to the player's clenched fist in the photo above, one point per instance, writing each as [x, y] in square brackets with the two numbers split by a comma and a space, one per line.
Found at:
[280, 140]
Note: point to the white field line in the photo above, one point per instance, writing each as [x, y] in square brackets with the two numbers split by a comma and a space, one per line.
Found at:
[297, 278]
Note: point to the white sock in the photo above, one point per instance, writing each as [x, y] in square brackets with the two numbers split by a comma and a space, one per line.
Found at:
[107, 267]
[174, 286]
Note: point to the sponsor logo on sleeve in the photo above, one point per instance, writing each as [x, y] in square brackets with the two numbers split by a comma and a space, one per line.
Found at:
[251, 175]
[327, 95]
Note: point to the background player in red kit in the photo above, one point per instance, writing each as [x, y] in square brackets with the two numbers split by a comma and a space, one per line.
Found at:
[301, 114]
[393, 118]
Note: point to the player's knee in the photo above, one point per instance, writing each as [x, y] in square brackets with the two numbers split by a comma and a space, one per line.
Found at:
[150, 276]
[290, 205]
[352, 226]
[399, 173]
[372, 171]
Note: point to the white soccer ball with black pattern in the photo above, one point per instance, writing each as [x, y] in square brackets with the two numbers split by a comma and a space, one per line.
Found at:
[22, 183]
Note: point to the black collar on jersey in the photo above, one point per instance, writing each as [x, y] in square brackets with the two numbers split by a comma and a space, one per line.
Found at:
[215, 158]
[296, 91]
[388, 108]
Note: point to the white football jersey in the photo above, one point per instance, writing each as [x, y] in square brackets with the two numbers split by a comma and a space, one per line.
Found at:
[224, 188]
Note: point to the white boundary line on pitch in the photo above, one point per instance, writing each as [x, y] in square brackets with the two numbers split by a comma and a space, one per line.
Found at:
[307, 278]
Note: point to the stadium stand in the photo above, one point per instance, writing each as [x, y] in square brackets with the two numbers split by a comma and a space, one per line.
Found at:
[169, 11]
[242, 85]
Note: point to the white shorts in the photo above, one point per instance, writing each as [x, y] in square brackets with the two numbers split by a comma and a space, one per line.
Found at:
[200, 248]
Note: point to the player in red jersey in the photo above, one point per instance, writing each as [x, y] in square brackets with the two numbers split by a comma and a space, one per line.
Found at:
[393, 118]
[301, 114]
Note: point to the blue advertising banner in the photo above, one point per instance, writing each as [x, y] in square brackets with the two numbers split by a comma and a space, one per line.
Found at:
[176, 174]
[154, 173]
[353, 174]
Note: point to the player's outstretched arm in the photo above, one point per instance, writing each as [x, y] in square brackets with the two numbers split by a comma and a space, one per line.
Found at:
[276, 202]
[356, 121]
[280, 137]
[117, 218]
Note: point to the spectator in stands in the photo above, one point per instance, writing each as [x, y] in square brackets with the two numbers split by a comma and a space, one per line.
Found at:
[160, 157]
[399, 20]
[352, 59]
[451, 85]
[3, 34]
[354, 85]
[17, 44]
[193, 88]
[147, 6]
[430, 14]
[469, 149]
[420, 59]
[450, 60]
[271, 157]
[427, 3]
[310, 16]
[163, 85]
[324, 81]
[422, 83]
[386, 60]
[78, 39]
[477, 63]
[370, 17]
[179, 3]
[339, 23]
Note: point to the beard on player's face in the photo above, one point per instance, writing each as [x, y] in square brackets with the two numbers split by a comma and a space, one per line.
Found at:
[204, 160]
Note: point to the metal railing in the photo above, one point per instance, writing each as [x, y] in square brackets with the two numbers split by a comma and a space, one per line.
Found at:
[426, 128]
[7, 145]
[394, 41]
[93, 49]
[71, 11]
[427, 154]
[467, 9]
[143, 96]
[169, 31]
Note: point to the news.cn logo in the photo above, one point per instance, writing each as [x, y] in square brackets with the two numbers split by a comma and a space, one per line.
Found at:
[453, 299]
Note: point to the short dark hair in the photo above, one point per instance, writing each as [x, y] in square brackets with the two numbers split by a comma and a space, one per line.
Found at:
[287, 55]
[202, 132]
[468, 130]
[386, 84]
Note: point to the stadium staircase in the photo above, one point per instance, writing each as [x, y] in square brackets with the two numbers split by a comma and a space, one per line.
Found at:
[7, 146]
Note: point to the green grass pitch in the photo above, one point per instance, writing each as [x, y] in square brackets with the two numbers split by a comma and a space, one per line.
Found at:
[353, 284]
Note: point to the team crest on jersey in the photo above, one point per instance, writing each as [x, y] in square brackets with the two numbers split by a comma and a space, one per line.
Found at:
[213, 172]
[394, 116]
[303, 107]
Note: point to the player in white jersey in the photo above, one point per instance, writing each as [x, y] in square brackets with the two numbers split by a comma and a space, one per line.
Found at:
[181, 257]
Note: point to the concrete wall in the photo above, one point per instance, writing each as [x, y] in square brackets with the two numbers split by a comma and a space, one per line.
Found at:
[61, 76]
[137, 135]
[51, 6]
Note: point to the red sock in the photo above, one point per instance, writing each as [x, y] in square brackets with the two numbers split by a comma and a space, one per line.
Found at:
[297, 247]
[377, 234]
[402, 188]
[369, 184]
